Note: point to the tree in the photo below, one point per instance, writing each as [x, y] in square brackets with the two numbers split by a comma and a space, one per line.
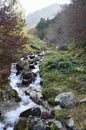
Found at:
[41, 28]
[11, 31]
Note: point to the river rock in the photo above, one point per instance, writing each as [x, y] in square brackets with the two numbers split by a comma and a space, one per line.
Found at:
[28, 77]
[31, 56]
[22, 65]
[58, 124]
[69, 122]
[26, 113]
[66, 100]
[45, 114]
[31, 66]
[36, 112]
[36, 97]
[39, 125]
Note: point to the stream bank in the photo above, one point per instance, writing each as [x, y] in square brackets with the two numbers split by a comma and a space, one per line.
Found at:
[32, 111]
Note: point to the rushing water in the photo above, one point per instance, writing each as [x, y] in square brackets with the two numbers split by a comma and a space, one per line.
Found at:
[11, 117]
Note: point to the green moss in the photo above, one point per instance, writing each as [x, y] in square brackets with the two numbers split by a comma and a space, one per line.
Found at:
[66, 70]
[21, 125]
[49, 92]
[53, 127]
[13, 94]
[51, 100]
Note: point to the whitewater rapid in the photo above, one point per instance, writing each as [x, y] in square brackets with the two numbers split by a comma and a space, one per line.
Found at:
[12, 117]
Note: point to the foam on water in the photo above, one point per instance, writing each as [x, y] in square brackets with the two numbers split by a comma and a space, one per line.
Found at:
[11, 117]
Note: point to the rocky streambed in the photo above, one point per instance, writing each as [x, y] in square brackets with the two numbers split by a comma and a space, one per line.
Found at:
[32, 111]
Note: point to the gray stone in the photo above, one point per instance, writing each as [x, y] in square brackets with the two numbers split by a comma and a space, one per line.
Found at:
[69, 122]
[39, 125]
[36, 112]
[45, 114]
[66, 100]
[83, 101]
[58, 124]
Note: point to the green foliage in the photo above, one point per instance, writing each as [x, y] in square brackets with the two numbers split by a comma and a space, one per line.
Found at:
[78, 114]
[41, 27]
[21, 125]
[61, 70]
[12, 35]
[37, 44]
[50, 94]
[53, 127]
[62, 64]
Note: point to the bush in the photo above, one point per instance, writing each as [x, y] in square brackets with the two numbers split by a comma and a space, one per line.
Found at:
[49, 92]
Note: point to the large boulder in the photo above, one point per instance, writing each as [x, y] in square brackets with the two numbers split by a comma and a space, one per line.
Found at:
[66, 100]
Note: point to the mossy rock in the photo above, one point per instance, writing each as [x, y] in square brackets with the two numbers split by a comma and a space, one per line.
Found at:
[21, 125]
[51, 101]
[13, 94]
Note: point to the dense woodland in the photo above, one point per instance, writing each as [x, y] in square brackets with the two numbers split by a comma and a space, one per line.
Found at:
[67, 26]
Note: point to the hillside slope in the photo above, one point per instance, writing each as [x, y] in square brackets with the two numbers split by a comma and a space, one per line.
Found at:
[48, 12]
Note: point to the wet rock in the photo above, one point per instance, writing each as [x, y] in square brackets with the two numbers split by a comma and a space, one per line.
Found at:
[0, 114]
[36, 112]
[66, 100]
[31, 66]
[26, 113]
[28, 77]
[25, 57]
[36, 97]
[32, 56]
[39, 125]
[1, 95]
[41, 82]
[22, 65]
[38, 58]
